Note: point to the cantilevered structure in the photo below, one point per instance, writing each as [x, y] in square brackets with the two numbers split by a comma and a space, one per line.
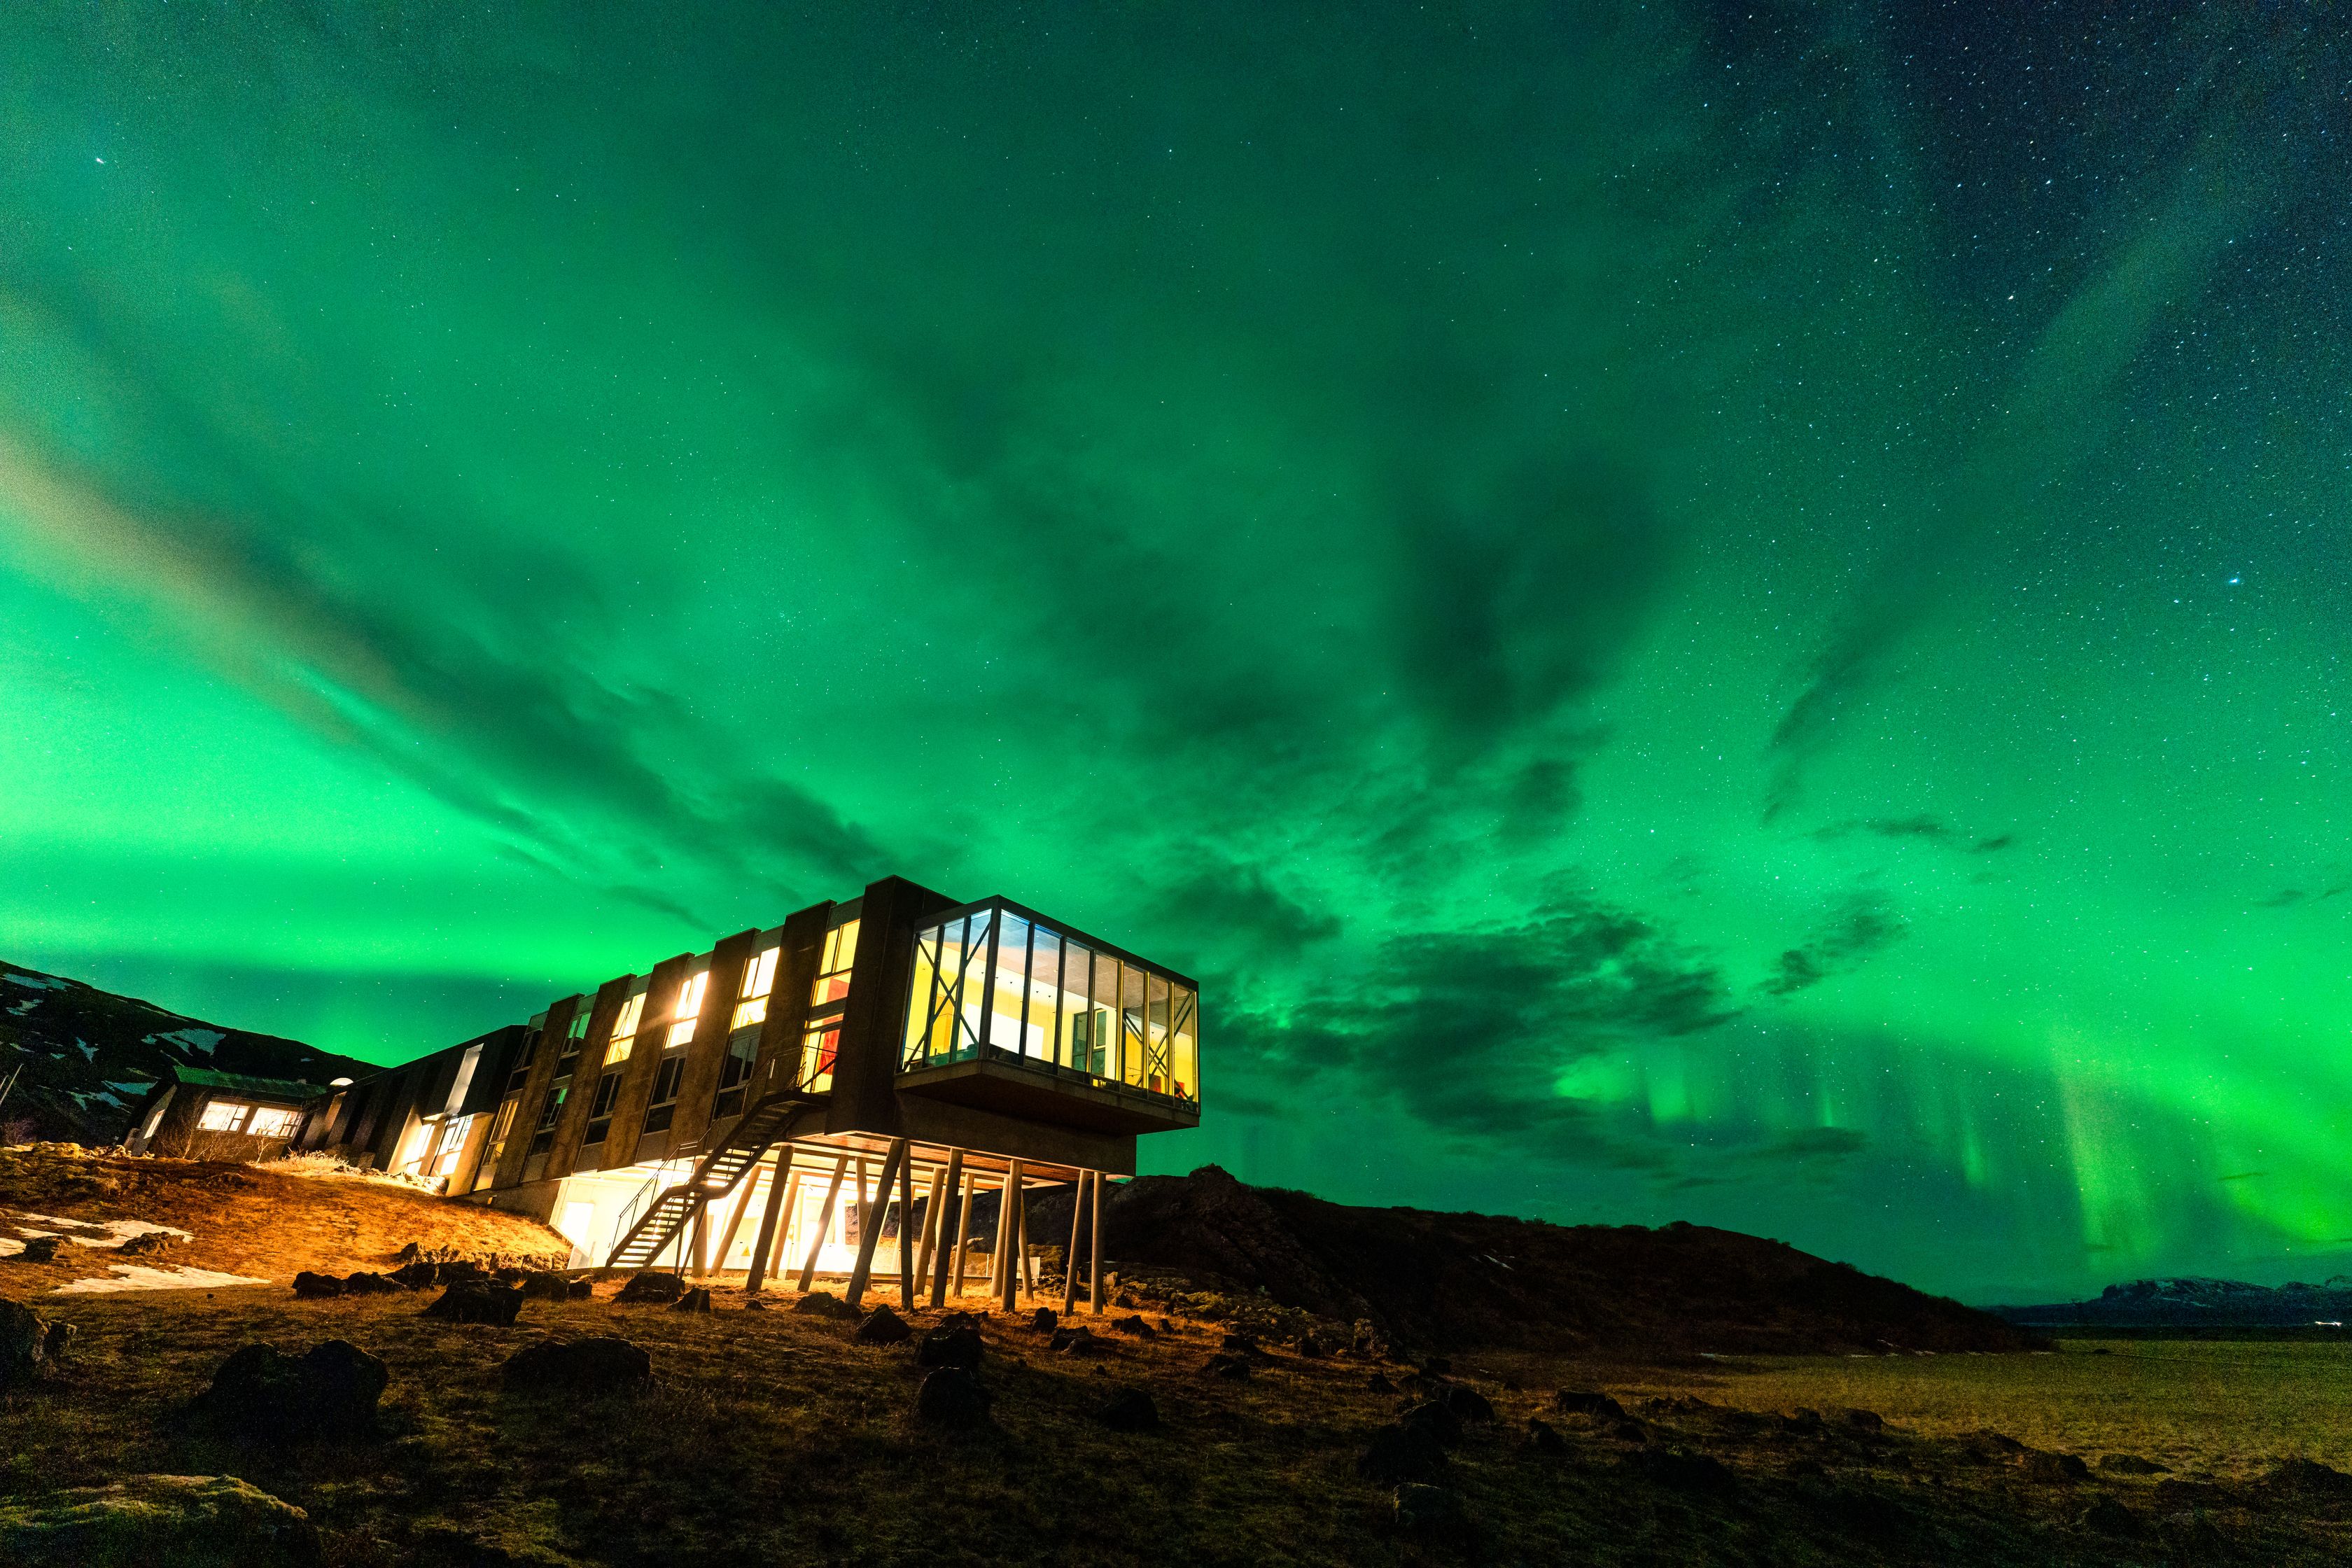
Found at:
[779, 1103]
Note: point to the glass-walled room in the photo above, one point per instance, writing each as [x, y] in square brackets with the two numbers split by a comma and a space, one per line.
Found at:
[995, 978]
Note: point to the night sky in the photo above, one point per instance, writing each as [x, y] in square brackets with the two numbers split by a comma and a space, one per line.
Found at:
[1732, 616]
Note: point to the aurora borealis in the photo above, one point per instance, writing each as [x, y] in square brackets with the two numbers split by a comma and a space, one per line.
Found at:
[1681, 615]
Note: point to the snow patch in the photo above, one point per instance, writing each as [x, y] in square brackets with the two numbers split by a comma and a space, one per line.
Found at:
[103, 1234]
[137, 1276]
[89, 1051]
[33, 982]
[193, 1039]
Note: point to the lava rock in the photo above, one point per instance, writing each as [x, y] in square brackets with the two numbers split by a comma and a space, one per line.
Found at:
[2108, 1517]
[1436, 1366]
[1438, 1418]
[651, 1287]
[959, 1347]
[1468, 1404]
[1379, 1384]
[1429, 1510]
[415, 1276]
[824, 1304]
[1544, 1437]
[1242, 1344]
[39, 1250]
[584, 1290]
[197, 1521]
[952, 1397]
[577, 1366]
[57, 1344]
[883, 1327]
[1311, 1346]
[545, 1285]
[328, 1391]
[1684, 1472]
[1042, 1320]
[1865, 1420]
[1232, 1368]
[310, 1287]
[24, 1343]
[1129, 1410]
[1399, 1453]
[2054, 1469]
[147, 1243]
[2309, 1477]
[1582, 1402]
[365, 1283]
[2131, 1465]
[695, 1301]
[477, 1301]
[1135, 1325]
[1077, 1342]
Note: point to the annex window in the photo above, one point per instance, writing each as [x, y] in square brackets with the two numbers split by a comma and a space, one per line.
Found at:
[501, 1129]
[449, 1146]
[625, 1030]
[840, 956]
[273, 1121]
[663, 1103]
[758, 979]
[689, 1009]
[223, 1116]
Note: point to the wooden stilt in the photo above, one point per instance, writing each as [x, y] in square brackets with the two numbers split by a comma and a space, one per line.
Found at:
[862, 1203]
[691, 1244]
[934, 1214]
[906, 1231]
[1070, 1252]
[963, 1232]
[1094, 1286]
[825, 1220]
[717, 1263]
[784, 1226]
[1008, 1239]
[1028, 1254]
[996, 1247]
[769, 1240]
[949, 1243]
[871, 1231]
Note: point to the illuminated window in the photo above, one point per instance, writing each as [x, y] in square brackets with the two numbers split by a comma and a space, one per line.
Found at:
[223, 1116]
[819, 1046]
[689, 1009]
[625, 1030]
[833, 969]
[500, 1130]
[273, 1121]
[759, 979]
[449, 1146]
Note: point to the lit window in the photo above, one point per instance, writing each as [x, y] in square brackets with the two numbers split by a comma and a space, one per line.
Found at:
[832, 970]
[759, 979]
[818, 1047]
[625, 1030]
[449, 1145]
[273, 1121]
[223, 1116]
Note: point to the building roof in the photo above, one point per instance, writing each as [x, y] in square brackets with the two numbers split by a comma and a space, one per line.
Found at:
[261, 1088]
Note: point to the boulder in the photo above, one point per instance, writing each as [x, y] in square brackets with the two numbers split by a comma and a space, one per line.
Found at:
[1438, 1418]
[1129, 1410]
[2309, 1477]
[822, 1304]
[185, 1521]
[510, 1276]
[1134, 1324]
[415, 1276]
[1379, 1384]
[1242, 1344]
[695, 1301]
[1684, 1472]
[24, 1343]
[311, 1287]
[2108, 1517]
[1078, 1342]
[958, 1347]
[1544, 1437]
[2131, 1465]
[1429, 1510]
[147, 1243]
[883, 1327]
[1865, 1420]
[477, 1301]
[1400, 1453]
[1580, 1402]
[1310, 1345]
[652, 1287]
[1468, 1404]
[1436, 1366]
[546, 1285]
[593, 1366]
[584, 1290]
[363, 1283]
[1042, 1320]
[1232, 1368]
[951, 1396]
[328, 1391]
[2054, 1469]
[39, 1250]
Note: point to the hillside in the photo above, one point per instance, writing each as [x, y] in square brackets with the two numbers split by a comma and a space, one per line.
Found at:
[89, 1055]
[2196, 1303]
[1451, 1279]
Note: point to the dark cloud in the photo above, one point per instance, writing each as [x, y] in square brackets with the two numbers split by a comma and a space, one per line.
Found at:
[1810, 1143]
[1929, 829]
[1863, 926]
[1469, 1029]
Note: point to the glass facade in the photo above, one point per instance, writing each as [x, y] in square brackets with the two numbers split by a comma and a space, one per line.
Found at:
[995, 978]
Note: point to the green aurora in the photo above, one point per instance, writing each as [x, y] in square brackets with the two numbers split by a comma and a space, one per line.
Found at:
[1726, 616]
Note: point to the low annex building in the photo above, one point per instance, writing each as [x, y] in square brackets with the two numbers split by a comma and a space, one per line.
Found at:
[221, 1115]
[784, 1099]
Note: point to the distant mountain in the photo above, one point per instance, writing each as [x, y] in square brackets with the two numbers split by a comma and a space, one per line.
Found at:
[2196, 1303]
[1448, 1279]
[89, 1056]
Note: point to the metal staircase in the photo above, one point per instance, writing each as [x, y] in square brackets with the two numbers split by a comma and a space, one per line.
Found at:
[737, 1155]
